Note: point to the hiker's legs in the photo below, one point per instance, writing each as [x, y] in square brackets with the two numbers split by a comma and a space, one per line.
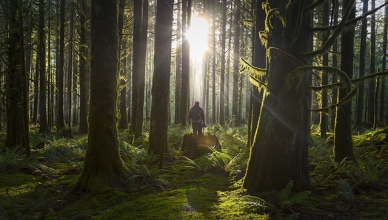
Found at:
[196, 128]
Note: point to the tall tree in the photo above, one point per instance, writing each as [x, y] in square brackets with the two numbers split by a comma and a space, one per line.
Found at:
[16, 82]
[123, 123]
[285, 108]
[42, 71]
[186, 13]
[236, 56]
[103, 164]
[83, 126]
[214, 52]
[383, 67]
[137, 12]
[360, 90]
[372, 69]
[142, 72]
[259, 60]
[60, 120]
[222, 82]
[324, 77]
[178, 67]
[343, 145]
[161, 79]
[70, 67]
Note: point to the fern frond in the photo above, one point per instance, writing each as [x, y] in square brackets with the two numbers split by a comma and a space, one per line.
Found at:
[285, 193]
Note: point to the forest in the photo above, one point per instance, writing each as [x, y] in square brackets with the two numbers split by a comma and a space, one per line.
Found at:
[96, 99]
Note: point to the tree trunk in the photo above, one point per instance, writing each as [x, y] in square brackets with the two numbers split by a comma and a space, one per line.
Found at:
[236, 56]
[360, 90]
[102, 164]
[158, 142]
[259, 60]
[123, 123]
[70, 68]
[334, 75]
[178, 68]
[324, 77]
[222, 82]
[136, 60]
[214, 54]
[43, 128]
[83, 125]
[343, 145]
[384, 58]
[186, 10]
[281, 141]
[372, 69]
[16, 87]
[61, 122]
[141, 76]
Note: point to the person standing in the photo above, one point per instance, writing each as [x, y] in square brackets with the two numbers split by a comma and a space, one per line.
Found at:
[197, 118]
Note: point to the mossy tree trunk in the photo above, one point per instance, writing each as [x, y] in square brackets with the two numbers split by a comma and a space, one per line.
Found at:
[43, 128]
[16, 82]
[184, 105]
[158, 143]
[360, 91]
[137, 12]
[142, 71]
[60, 76]
[103, 165]
[83, 122]
[122, 68]
[343, 144]
[279, 153]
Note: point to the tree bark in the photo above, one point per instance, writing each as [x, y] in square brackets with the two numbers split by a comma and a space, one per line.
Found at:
[343, 145]
[372, 69]
[123, 123]
[186, 11]
[136, 60]
[141, 75]
[83, 125]
[360, 90]
[158, 143]
[236, 75]
[178, 67]
[60, 120]
[324, 77]
[222, 81]
[43, 128]
[16, 87]
[102, 164]
[280, 143]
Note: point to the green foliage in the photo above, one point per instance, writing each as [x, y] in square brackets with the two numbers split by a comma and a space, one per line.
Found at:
[283, 206]
[190, 189]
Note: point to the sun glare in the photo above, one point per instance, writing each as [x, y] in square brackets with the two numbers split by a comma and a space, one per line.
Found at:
[197, 35]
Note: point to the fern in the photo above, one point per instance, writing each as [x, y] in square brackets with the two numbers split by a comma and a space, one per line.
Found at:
[285, 199]
[3, 214]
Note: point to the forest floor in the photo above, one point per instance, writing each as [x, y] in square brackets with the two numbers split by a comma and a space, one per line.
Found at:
[205, 188]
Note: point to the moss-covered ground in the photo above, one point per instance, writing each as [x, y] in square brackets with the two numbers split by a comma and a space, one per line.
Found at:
[205, 188]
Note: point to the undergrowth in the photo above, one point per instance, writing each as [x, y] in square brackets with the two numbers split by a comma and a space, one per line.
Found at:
[209, 187]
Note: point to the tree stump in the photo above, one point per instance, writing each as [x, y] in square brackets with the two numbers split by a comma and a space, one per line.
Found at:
[195, 146]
